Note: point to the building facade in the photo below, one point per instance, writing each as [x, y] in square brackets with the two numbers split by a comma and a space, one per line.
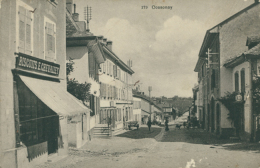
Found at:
[116, 101]
[35, 106]
[222, 42]
[245, 72]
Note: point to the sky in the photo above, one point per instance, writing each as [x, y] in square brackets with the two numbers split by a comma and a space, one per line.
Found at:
[163, 44]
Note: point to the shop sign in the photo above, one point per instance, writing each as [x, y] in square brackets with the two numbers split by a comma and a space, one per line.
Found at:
[30, 63]
[239, 98]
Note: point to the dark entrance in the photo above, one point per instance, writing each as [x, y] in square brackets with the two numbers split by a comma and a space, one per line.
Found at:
[218, 119]
[38, 123]
[53, 132]
[212, 114]
[208, 114]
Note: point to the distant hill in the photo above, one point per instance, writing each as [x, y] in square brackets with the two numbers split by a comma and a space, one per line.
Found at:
[181, 103]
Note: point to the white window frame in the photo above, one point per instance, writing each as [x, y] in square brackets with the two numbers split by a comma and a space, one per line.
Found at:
[46, 19]
[27, 7]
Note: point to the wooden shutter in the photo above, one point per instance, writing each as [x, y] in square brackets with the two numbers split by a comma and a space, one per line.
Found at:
[91, 65]
[104, 67]
[115, 70]
[50, 40]
[107, 67]
[28, 34]
[22, 23]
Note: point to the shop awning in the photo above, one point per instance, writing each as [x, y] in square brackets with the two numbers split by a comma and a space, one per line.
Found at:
[55, 96]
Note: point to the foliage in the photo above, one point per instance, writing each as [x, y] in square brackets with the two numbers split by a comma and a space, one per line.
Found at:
[234, 107]
[80, 90]
[256, 94]
[69, 67]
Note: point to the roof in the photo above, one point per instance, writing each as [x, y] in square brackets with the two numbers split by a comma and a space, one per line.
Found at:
[212, 32]
[147, 99]
[253, 52]
[92, 44]
[117, 59]
[252, 39]
[71, 26]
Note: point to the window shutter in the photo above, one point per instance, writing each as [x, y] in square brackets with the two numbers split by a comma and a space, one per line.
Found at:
[107, 67]
[91, 63]
[22, 22]
[105, 90]
[111, 69]
[104, 67]
[115, 70]
[53, 41]
[50, 38]
[28, 49]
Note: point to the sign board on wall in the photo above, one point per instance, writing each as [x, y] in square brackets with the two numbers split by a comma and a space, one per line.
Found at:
[239, 98]
[34, 64]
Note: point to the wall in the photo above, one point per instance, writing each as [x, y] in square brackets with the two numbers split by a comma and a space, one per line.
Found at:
[7, 63]
[247, 98]
[233, 36]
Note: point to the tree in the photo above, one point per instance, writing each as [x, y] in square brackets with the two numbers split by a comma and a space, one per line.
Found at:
[80, 90]
[234, 108]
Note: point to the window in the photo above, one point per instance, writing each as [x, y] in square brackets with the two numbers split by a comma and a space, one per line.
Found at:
[115, 71]
[213, 82]
[25, 27]
[242, 74]
[104, 67]
[236, 82]
[50, 40]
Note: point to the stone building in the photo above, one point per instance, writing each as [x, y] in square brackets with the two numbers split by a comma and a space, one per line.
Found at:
[222, 42]
[35, 105]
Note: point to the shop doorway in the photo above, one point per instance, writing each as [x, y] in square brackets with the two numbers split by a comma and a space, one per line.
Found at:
[38, 123]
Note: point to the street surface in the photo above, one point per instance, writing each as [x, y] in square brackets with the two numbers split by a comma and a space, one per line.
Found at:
[177, 148]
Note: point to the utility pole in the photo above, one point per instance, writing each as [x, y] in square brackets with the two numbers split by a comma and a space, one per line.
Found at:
[150, 107]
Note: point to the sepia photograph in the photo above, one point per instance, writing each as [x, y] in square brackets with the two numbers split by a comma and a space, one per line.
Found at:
[129, 84]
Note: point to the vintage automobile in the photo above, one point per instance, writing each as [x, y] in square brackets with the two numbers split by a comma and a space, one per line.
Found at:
[133, 124]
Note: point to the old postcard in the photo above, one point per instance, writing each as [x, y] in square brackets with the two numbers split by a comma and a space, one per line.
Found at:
[135, 84]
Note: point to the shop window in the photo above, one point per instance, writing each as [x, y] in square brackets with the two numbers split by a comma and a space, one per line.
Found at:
[236, 82]
[25, 27]
[50, 40]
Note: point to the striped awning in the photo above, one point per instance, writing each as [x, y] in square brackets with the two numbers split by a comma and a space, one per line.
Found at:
[53, 95]
[95, 47]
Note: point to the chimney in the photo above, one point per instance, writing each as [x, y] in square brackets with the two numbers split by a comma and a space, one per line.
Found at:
[105, 40]
[69, 5]
[100, 39]
[109, 45]
[75, 15]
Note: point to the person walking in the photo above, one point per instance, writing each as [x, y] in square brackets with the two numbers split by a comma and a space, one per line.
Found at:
[149, 123]
[166, 125]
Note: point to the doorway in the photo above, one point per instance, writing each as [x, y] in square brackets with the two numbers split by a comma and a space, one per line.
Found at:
[212, 114]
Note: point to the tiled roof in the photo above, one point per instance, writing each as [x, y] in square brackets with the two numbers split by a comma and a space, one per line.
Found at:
[252, 39]
[254, 51]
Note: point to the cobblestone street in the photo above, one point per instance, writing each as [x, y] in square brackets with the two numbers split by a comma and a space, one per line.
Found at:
[174, 149]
